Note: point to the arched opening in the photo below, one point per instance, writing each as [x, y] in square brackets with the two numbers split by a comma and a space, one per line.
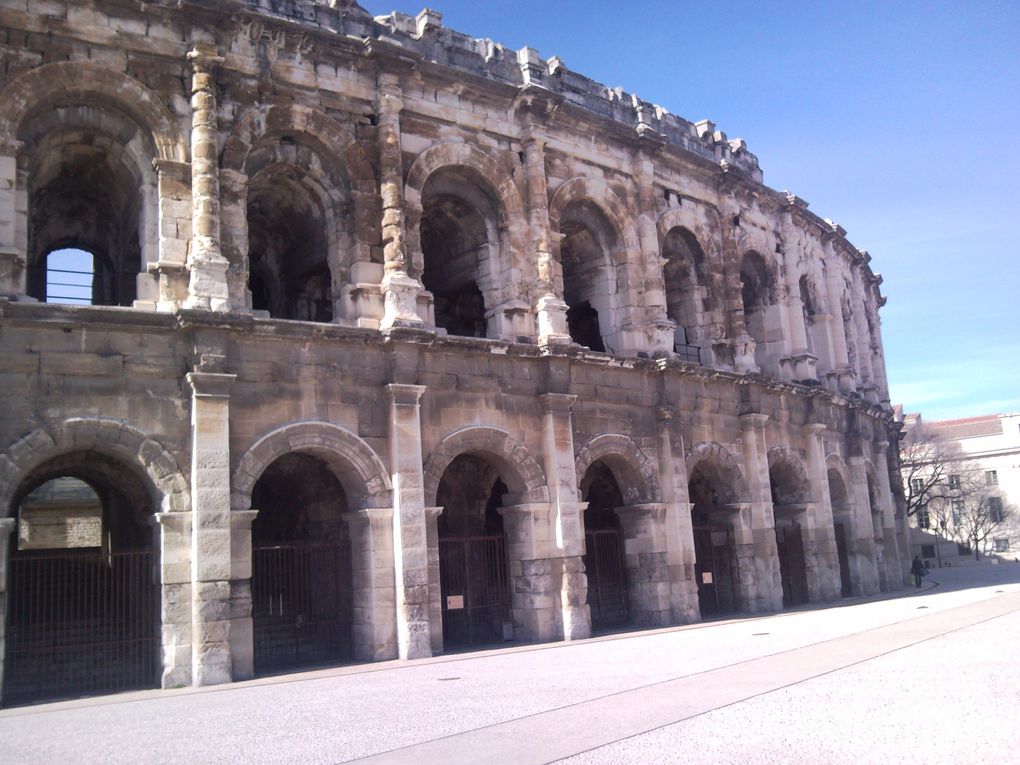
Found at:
[842, 518]
[289, 243]
[757, 299]
[460, 243]
[301, 567]
[789, 498]
[82, 600]
[473, 571]
[587, 249]
[711, 491]
[686, 294]
[90, 187]
[604, 561]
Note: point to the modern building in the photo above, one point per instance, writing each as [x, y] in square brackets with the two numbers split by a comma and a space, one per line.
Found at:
[395, 342]
[989, 447]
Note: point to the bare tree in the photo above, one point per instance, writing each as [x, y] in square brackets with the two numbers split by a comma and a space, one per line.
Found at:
[933, 470]
[972, 518]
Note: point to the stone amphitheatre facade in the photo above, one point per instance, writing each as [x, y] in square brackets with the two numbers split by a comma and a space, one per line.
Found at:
[401, 342]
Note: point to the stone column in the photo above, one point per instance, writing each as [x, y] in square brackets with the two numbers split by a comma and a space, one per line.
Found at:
[660, 330]
[801, 361]
[400, 290]
[13, 264]
[410, 541]
[207, 288]
[742, 344]
[550, 310]
[211, 565]
[573, 615]
[897, 561]
[644, 548]
[679, 528]
[841, 374]
[374, 628]
[531, 571]
[864, 544]
[175, 530]
[765, 592]
[7, 527]
[822, 558]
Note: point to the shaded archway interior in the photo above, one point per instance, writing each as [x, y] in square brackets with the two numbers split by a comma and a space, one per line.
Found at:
[789, 495]
[604, 561]
[89, 178]
[589, 244]
[301, 566]
[842, 517]
[289, 206]
[460, 241]
[686, 279]
[82, 599]
[712, 492]
[473, 565]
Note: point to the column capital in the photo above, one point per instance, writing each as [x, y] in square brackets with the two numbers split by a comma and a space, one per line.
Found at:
[557, 402]
[205, 57]
[6, 527]
[816, 428]
[211, 384]
[242, 519]
[404, 394]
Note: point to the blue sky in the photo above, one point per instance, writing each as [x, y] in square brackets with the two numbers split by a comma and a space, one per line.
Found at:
[898, 120]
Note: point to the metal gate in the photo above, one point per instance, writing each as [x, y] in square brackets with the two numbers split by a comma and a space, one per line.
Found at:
[475, 589]
[80, 622]
[844, 560]
[792, 568]
[607, 578]
[301, 605]
[715, 569]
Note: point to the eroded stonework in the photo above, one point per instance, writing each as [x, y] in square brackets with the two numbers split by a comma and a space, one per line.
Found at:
[352, 268]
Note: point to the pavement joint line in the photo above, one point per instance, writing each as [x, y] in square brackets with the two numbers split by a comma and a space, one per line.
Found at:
[384, 755]
[791, 684]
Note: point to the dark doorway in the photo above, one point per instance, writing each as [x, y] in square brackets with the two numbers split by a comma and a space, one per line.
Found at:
[473, 572]
[583, 325]
[603, 549]
[792, 568]
[301, 567]
[715, 570]
[83, 606]
[846, 587]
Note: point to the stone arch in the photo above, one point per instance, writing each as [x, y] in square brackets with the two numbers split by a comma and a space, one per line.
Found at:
[359, 469]
[636, 475]
[609, 203]
[835, 462]
[493, 172]
[522, 474]
[718, 456]
[165, 481]
[332, 139]
[784, 458]
[66, 82]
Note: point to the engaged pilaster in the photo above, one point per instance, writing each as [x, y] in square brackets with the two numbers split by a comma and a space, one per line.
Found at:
[12, 253]
[207, 288]
[410, 540]
[211, 522]
[765, 592]
[826, 583]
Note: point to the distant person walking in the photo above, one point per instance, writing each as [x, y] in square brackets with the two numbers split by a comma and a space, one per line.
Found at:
[917, 569]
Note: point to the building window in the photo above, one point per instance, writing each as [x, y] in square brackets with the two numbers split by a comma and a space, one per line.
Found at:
[954, 481]
[1001, 544]
[916, 485]
[995, 513]
[923, 521]
[927, 551]
[992, 477]
[957, 511]
[963, 548]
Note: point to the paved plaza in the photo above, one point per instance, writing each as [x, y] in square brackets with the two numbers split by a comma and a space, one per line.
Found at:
[930, 676]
